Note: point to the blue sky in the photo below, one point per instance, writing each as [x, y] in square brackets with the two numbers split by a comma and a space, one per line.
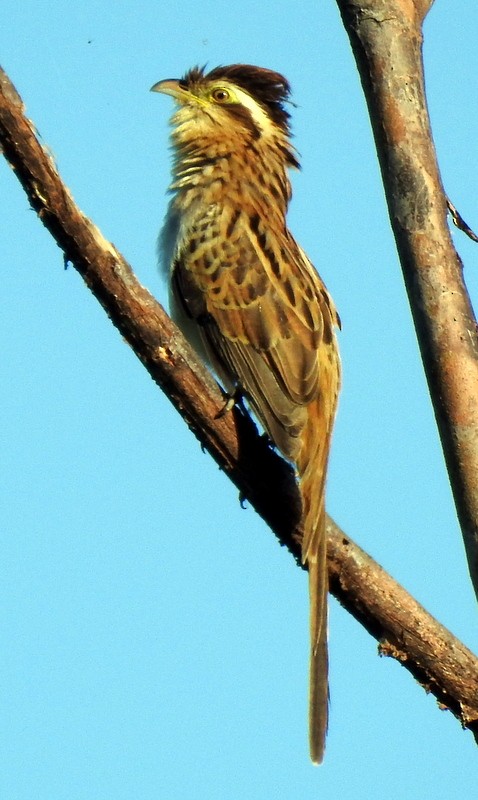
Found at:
[154, 635]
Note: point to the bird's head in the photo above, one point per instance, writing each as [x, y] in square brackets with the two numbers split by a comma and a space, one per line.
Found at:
[239, 102]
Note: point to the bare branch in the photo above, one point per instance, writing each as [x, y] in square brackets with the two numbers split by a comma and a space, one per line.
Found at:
[438, 660]
[405, 631]
[386, 39]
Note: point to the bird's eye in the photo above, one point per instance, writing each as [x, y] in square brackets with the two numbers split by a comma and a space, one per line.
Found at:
[221, 95]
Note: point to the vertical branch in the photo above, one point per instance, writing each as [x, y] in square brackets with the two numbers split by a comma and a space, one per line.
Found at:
[386, 39]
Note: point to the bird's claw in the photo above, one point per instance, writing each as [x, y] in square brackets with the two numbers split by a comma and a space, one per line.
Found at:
[230, 401]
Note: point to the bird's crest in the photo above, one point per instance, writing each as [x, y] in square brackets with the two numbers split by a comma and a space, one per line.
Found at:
[267, 87]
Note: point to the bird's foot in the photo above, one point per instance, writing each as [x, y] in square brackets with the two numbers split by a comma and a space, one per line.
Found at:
[231, 400]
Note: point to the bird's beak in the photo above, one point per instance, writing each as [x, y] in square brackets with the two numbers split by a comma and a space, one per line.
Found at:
[171, 87]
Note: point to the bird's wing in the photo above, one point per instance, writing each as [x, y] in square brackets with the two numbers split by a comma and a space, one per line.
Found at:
[265, 315]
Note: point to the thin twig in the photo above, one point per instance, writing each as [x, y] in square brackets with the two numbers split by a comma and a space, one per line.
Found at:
[459, 222]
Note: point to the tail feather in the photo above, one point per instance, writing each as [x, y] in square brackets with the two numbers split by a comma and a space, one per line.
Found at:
[312, 466]
[319, 662]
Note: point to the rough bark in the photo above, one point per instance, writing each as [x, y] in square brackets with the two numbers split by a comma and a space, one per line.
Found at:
[386, 38]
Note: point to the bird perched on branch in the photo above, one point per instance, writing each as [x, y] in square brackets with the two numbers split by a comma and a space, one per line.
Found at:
[249, 299]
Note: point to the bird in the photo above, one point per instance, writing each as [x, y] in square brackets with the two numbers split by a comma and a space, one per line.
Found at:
[249, 300]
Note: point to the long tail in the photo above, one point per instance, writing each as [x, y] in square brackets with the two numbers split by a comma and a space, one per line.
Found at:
[312, 465]
[319, 661]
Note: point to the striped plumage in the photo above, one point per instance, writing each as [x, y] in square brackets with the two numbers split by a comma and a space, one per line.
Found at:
[249, 299]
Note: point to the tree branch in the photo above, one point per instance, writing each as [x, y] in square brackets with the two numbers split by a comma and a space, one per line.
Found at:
[386, 39]
[404, 629]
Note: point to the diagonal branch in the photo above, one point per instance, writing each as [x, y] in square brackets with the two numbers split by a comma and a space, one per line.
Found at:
[386, 39]
[441, 663]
